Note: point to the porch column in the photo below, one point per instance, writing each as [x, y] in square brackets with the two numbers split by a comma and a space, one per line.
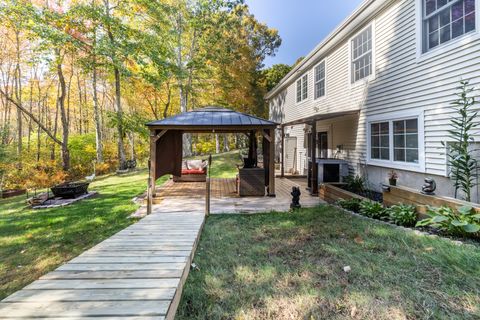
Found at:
[313, 153]
[282, 155]
[271, 164]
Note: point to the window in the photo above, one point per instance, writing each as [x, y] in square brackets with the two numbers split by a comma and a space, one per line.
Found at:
[380, 141]
[445, 20]
[397, 141]
[320, 80]
[362, 60]
[302, 88]
[405, 140]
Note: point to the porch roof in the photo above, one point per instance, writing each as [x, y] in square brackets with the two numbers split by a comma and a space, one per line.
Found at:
[322, 116]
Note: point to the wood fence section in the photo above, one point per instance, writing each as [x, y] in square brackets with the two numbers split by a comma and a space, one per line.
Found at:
[398, 195]
[332, 193]
[136, 274]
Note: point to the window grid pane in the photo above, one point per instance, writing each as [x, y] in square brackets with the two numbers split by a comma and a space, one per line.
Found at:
[299, 90]
[362, 55]
[380, 141]
[320, 80]
[405, 141]
[445, 20]
[305, 87]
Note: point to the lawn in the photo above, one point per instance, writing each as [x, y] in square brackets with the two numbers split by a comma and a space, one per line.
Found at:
[224, 165]
[33, 242]
[290, 266]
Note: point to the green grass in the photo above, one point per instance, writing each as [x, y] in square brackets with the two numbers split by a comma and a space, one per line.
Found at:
[224, 165]
[290, 266]
[33, 242]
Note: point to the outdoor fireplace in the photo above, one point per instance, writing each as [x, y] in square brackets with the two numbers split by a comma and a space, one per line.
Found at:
[70, 190]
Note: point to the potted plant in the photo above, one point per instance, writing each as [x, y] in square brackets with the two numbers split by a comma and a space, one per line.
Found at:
[392, 178]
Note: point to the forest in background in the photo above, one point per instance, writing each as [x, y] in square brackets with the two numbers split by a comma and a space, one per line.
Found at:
[79, 79]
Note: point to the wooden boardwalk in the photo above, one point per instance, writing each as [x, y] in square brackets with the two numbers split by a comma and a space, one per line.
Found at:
[136, 274]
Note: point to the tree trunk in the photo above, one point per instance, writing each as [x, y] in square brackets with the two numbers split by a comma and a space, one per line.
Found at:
[121, 147]
[63, 115]
[18, 95]
[96, 111]
[217, 144]
[226, 147]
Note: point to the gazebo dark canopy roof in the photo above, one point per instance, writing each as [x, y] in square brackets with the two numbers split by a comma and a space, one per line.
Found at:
[212, 118]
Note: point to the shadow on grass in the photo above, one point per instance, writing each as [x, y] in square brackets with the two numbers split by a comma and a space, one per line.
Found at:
[290, 266]
[33, 242]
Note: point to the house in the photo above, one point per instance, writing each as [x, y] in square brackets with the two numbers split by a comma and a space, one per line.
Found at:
[376, 93]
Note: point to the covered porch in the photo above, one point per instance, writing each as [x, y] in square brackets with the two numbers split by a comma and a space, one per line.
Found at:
[318, 148]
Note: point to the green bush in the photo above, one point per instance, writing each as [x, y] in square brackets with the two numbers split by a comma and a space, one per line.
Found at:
[465, 221]
[355, 184]
[403, 215]
[352, 204]
[372, 209]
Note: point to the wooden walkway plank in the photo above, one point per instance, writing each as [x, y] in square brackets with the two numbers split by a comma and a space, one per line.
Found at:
[72, 295]
[88, 308]
[121, 274]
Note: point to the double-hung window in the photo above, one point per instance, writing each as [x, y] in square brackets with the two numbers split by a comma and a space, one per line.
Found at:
[302, 88]
[319, 90]
[362, 55]
[446, 20]
[396, 142]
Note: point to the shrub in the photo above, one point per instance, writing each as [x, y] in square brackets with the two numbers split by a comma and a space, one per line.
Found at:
[355, 184]
[403, 215]
[372, 209]
[352, 204]
[465, 221]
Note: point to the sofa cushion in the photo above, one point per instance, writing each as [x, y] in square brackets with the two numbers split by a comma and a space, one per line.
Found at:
[193, 171]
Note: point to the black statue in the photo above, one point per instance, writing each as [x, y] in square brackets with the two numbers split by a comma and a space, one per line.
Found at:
[295, 198]
[429, 187]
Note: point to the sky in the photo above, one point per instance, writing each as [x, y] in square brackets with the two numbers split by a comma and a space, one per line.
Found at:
[302, 24]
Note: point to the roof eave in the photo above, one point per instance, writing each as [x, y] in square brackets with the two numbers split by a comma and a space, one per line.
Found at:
[330, 41]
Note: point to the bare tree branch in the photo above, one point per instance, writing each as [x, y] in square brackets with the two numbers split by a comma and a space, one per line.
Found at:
[31, 116]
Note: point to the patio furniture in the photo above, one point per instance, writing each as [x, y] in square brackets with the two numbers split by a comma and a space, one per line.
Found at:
[251, 182]
[192, 171]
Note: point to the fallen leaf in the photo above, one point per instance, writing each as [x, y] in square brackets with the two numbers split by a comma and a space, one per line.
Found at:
[358, 240]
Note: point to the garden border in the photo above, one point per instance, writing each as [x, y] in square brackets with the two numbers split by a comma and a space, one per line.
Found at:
[407, 229]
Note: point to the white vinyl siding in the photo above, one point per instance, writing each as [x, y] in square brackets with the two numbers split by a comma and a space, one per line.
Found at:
[404, 83]
[446, 20]
[302, 88]
[362, 57]
[319, 88]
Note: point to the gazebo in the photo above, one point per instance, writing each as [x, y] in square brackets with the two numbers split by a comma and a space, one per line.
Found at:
[166, 137]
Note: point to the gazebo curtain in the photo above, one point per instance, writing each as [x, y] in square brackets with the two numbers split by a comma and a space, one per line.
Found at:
[169, 154]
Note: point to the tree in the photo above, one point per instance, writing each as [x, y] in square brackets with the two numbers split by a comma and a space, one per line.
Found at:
[463, 165]
[274, 74]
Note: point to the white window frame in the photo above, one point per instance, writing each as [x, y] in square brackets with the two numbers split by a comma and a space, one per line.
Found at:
[301, 79]
[400, 165]
[447, 46]
[324, 61]
[350, 57]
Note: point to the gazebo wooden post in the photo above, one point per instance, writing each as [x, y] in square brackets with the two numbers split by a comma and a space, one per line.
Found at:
[151, 173]
[271, 164]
